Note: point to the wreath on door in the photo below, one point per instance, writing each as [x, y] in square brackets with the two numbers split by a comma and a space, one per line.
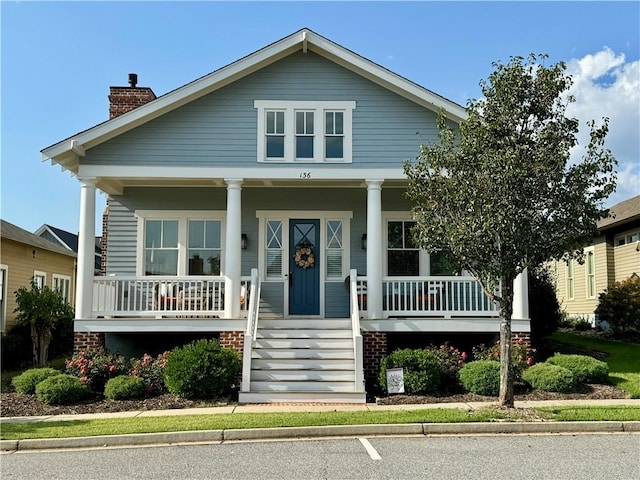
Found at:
[304, 257]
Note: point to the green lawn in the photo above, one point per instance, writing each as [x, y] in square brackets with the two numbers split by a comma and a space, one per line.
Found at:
[117, 426]
[623, 359]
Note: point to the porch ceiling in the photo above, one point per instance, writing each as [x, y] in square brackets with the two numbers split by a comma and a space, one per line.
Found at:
[116, 186]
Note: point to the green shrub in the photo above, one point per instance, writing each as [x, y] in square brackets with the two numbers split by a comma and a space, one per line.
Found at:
[584, 368]
[26, 382]
[124, 387]
[151, 370]
[481, 377]
[61, 390]
[550, 378]
[619, 306]
[450, 360]
[544, 309]
[521, 356]
[202, 369]
[421, 370]
[95, 367]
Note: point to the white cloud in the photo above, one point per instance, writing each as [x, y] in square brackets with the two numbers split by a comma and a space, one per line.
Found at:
[606, 85]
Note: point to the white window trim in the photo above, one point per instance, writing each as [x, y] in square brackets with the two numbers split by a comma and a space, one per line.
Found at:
[183, 217]
[324, 216]
[318, 107]
[570, 294]
[39, 273]
[3, 293]
[627, 238]
[57, 276]
[586, 273]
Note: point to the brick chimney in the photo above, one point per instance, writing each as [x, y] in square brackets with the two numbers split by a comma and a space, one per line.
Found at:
[125, 99]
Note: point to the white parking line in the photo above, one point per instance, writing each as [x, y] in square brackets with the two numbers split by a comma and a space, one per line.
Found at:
[370, 450]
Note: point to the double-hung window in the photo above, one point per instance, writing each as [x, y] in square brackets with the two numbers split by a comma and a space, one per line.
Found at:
[304, 131]
[205, 247]
[590, 267]
[403, 256]
[570, 281]
[334, 135]
[274, 135]
[40, 278]
[161, 247]
[62, 284]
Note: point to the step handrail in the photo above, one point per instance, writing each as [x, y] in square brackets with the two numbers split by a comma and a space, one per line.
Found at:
[358, 350]
[252, 329]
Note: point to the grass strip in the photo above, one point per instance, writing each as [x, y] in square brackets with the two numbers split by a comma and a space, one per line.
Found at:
[623, 359]
[120, 426]
[590, 414]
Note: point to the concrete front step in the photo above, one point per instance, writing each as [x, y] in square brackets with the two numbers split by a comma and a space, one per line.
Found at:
[304, 364]
[303, 376]
[302, 386]
[303, 353]
[302, 397]
[310, 343]
[310, 334]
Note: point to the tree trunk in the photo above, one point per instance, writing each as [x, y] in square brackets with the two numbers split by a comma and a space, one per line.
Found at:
[506, 371]
[40, 339]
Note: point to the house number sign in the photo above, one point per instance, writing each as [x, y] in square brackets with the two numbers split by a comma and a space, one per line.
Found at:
[305, 175]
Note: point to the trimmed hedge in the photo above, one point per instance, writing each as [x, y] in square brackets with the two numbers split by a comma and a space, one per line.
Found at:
[124, 387]
[202, 369]
[27, 381]
[421, 370]
[584, 368]
[62, 389]
[550, 378]
[481, 377]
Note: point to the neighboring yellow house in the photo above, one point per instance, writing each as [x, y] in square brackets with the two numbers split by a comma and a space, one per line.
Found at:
[612, 256]
[23, 256]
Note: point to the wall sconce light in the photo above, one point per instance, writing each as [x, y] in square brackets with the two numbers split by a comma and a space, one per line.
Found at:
[243, 241]
[364, 241]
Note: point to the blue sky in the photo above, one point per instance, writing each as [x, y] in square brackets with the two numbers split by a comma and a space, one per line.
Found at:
[59, 59]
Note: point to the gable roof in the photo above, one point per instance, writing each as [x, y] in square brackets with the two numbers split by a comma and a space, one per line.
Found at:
[66, 239]
[17, 234]
[66, 153]
[621, 213]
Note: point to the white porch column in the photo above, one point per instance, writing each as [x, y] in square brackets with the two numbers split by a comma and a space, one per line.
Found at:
[521, 296]
[233, 251]
[374, 248]
[86, 248]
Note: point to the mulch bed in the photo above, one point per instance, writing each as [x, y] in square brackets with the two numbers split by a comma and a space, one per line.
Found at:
[18, 405]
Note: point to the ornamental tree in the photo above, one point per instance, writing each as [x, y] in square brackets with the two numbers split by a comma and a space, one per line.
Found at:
[41, 308]
[500, 193]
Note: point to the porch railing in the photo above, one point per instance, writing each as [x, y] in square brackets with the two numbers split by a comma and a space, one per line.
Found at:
[358, 346]
[447, 297]
[158, 296]
[252, 329]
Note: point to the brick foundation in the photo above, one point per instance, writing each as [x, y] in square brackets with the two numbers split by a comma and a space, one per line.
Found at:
[87, 341]
[375, 347]
[233, 339]
[521, 338]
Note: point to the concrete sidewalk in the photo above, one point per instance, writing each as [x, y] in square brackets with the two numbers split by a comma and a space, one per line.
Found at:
[218, 436]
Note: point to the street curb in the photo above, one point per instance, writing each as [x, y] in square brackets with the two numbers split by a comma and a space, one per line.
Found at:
[209, 436]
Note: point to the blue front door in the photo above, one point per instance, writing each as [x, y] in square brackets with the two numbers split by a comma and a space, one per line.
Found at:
[304, 271]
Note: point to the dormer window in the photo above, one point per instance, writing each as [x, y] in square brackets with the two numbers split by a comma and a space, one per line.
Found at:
[304, 132]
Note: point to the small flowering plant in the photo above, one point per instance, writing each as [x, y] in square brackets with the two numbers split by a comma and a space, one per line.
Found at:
[450, 360]
[521, 355]
[95, 367]
[151, 370]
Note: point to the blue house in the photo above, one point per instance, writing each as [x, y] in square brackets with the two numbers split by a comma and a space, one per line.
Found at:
[264, 203]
